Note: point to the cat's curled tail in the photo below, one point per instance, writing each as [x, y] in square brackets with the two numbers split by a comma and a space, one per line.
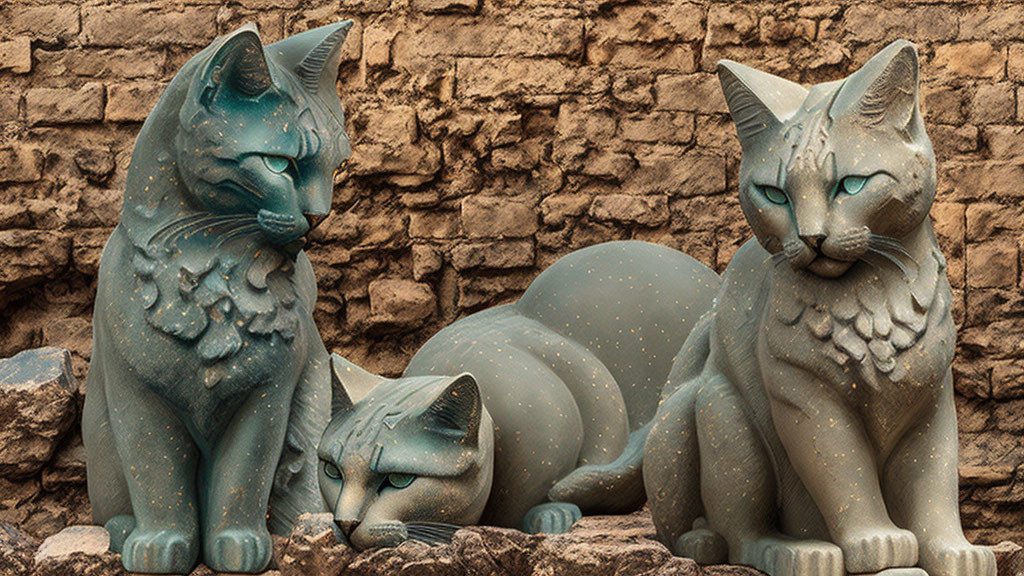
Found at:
[619, 486]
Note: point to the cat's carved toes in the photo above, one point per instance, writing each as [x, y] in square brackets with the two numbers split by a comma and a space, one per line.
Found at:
[238, 550]
[786, 557]
[960, 559]
[874, 550]
[160, 551]
[551, 518]
[703, 546]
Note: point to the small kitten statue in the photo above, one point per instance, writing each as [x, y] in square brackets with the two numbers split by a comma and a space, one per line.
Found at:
[809, 425]
[208, 386]
[521, 415]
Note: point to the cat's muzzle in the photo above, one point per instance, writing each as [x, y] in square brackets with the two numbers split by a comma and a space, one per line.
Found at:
[282, 229]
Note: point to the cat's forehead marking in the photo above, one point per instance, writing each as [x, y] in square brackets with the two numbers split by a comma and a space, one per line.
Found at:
[807, 139]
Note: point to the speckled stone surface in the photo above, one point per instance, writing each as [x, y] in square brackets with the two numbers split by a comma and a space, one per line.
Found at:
[525, 415]
[810, 425]
[208, 385]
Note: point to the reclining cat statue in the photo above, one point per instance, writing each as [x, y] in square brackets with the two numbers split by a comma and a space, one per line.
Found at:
[521, 415]
[809, 425]
[209, 385]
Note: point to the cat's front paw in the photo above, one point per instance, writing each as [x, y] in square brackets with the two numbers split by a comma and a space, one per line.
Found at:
[780, 556]
[874, 550]
[703, 546]
[551, 518]
[160, 551]
[957, 559]
[238, 550]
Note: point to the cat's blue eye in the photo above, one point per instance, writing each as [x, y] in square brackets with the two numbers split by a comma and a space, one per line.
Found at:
[332, 471]
[277, 164]
[400, 480]
[852, 184]
[773, 194]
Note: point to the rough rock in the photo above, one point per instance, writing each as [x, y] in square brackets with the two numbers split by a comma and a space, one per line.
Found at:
[37, 406]
[17, 550]
[79, 550]
[400, 303]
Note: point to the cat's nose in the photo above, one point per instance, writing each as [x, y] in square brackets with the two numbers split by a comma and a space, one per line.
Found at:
[347, 526]
[314, 219]
[813, 240]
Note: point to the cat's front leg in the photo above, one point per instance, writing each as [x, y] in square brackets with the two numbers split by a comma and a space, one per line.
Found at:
[159, 460]
[830, 451]
[238, 481]
[921, 487]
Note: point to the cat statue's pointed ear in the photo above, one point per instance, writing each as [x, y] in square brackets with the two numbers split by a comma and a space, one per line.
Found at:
[457, 410]
[757, 100]
[349, 384]
[314, 55]
[239, 65]
[883, 93]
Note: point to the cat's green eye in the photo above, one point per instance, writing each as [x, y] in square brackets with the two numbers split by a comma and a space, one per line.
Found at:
[773, 194]
[400, 480]
[332, 471]
[852, 184]
[277, 164]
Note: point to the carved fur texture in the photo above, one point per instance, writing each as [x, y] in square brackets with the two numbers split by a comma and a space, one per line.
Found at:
[809, 427]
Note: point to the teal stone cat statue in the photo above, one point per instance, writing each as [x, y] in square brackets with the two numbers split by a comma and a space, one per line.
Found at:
[525, 415]
[209, 386]
[809, 427]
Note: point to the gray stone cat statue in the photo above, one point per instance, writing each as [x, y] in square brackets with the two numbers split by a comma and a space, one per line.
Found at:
[809, 425]
[209, 385]
[521, 415]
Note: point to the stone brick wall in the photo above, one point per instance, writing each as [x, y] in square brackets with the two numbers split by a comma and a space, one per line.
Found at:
[491, 137]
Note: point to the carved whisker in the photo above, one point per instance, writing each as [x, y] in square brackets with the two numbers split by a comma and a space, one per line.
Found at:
[174, 225]
[240, 232]
[879, 241]
[431, 532]
[215, 227]
[895, 261]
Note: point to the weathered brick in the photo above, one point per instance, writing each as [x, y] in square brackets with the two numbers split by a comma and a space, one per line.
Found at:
[497, 216]
[731, 24]
[434, 224]
[992, 263]
[1004, 142]
[496, 255]
[973, 59]
[400, 303]
[148, 24]
[878, 22]
[607, 164]
[48, 22]
[100, 63]
[493, 77]
[1015, 62]
[993, 104]
[20, 163]
[676, 22]
[132, 102]
[65, 105]
[983, 22]
[16, 55]
[426, 260]
[675, 57]
[443, 6]
[674, 127]
[480, 37]
[678, 173]
[642, 210]
[581, 121]
[691, 92]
